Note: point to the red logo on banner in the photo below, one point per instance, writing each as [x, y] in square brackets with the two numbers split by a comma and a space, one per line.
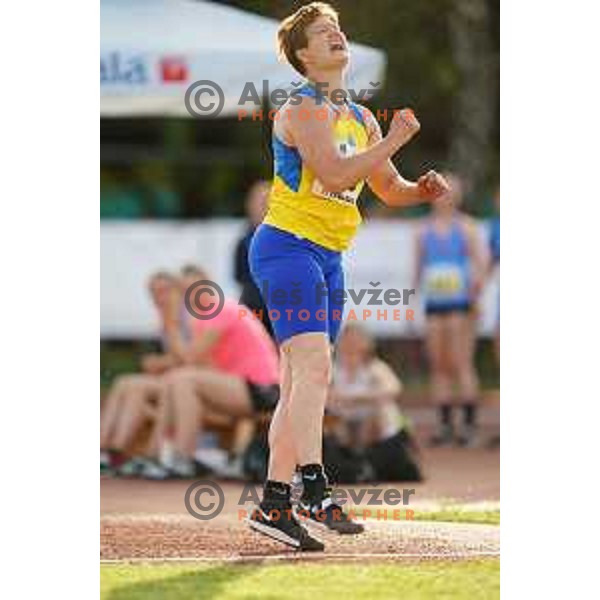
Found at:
[173, 69]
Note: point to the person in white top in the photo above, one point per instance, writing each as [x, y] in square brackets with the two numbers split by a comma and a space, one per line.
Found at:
[365, 392]
[369, 428]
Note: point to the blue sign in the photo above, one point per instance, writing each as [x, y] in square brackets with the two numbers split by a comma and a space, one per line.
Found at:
[120, 68]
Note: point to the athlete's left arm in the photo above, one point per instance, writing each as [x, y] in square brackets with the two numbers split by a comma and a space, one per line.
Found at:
[479, 254]
[388, 185]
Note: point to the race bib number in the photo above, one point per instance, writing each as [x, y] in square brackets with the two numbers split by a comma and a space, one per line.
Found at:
[345, 196]
[445, 282]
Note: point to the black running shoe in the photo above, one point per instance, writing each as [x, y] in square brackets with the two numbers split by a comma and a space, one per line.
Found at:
[283, 527]
[328, 515]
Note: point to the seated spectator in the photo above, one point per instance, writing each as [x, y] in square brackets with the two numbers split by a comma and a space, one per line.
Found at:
[229, 367]
[365, 391]
[364, 398]
[132, 398]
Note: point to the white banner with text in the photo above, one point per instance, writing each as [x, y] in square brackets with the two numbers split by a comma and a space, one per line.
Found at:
[379, 271]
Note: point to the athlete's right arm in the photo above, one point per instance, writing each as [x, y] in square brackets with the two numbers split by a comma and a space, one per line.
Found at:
[313, 135]
[198, 351]
[194, 352]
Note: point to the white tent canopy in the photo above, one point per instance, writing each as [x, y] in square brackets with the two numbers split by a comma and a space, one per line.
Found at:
[153, 50]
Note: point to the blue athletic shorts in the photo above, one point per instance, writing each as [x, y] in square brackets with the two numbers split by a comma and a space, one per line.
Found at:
[302, 283]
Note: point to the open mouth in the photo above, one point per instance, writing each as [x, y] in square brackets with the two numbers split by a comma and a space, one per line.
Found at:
[337, 46]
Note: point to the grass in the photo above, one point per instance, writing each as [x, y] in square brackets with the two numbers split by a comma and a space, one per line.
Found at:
[419, 581]
[459, 515]
[448, 514]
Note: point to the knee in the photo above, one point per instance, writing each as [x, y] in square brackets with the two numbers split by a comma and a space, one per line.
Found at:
[181, 376]
[125, 383]
[439, 376]
[180, 388]
[468, 375]
[437, 364]
[463, 365]
[177, 386]
[312, 370]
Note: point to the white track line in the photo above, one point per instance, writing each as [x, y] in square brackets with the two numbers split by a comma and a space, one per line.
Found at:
[296, 556]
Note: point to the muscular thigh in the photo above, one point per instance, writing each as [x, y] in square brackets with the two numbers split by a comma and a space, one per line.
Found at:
[290, 276]
[309, 355]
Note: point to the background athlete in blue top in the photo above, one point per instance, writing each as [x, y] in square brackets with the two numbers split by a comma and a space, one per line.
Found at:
[451, 264]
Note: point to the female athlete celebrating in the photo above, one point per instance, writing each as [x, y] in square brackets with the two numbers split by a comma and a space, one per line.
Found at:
[324, 152]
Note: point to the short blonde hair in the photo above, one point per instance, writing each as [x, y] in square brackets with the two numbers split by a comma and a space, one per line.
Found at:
[291, 35]
[360, 333]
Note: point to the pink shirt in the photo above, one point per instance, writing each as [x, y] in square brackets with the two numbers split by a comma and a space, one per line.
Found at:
[244, 348]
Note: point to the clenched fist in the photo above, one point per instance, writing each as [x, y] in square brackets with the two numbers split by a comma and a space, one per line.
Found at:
[404, 125]
[432, 185]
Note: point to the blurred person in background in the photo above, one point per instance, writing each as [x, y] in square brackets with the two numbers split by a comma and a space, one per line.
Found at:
[133, 397]
[494, 243]
[229, 367]
[364, 390]
[364, 396]
[256, 208]
[451, 265]
[494, 246]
